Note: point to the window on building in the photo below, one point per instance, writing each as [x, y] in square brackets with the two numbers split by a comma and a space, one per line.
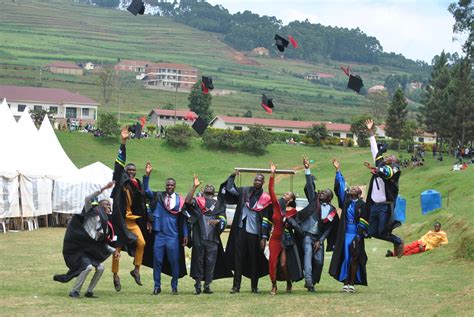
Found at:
[71, 113]
[350, 135]
[337, 134]
[238, 128]
[288, 130]
[21, 108]
[53, 109]
[269, 129]
[421, 140]
[302, 131]
[38, 108]
[85, 112]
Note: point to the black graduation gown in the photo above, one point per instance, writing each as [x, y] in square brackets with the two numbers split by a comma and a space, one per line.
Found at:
[338, 254]
[293, 259]
[220, 268]
[238, 196]
[391, 192]
[79, 249]
[159, 197]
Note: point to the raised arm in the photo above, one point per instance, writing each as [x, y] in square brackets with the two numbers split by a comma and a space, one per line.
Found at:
[119, 165]
[146, 180]
[309, 188]
[369, 123]
[339, 183]
[271, 185]
[190, 195]
[90, 199]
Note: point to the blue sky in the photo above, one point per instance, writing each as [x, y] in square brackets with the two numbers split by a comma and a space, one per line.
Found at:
[417, 29]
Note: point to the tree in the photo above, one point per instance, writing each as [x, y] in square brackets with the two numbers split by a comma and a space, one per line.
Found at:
[179, 135]
[108, 124]
[200, 102]
[435, 113]
[359, 128]
[107, 82]
[247, 114]
[38, 115]
[397, 115]
[463, 13]
[461, 97]
[318, 133]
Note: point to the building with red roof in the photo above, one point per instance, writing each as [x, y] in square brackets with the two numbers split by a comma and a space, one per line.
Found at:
[165, 117]
[64, 68]
[65, 104]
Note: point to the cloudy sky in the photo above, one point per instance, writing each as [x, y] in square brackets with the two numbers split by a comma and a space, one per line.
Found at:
[418, 29]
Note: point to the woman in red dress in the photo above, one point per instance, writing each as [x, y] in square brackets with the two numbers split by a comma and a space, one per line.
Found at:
[283, 207]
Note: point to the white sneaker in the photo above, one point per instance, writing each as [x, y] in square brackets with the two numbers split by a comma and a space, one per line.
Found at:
[345, 288]
[351, 289]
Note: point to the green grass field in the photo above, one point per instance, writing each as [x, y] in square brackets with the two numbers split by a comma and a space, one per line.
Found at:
[438, 283]
[35, 33]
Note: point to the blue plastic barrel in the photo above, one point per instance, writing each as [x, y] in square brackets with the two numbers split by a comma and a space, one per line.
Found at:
[430, 200]
[401, 209]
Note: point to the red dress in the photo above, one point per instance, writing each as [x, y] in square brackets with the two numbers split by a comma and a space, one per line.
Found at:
[275, 244]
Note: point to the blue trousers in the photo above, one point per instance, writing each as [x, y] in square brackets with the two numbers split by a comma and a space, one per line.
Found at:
[313, 261]
[379, 215]
[170, 245]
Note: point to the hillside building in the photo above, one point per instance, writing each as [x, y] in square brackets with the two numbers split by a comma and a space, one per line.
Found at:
[64, 68]
[64, 104]
[164, 117]
[132, 66]
[170, 76]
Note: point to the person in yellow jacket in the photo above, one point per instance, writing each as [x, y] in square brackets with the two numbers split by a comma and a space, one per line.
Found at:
[432, 239]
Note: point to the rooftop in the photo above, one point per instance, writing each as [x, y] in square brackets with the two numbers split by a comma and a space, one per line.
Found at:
[43, 95]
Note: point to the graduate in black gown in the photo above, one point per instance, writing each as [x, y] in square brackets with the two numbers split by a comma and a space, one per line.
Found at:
[208, 220]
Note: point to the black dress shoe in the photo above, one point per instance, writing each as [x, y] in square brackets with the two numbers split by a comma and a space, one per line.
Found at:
[311, 289]
[117, 284]
[207, 290]
[156, 291]
[389, 253]
[234, 290]
[174, 291]
[90, 295]
[136, 277]
[74, 294]
[197, 290]
[255, 291]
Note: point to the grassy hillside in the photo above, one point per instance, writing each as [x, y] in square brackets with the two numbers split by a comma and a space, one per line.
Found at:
[438, 282]
[35, 33]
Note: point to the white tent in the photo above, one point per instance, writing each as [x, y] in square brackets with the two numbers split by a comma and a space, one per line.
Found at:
[58, 163]
[69, 191]
[35, 187]
[9, 199]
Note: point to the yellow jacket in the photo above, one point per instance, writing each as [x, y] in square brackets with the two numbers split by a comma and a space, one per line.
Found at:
[433, 239]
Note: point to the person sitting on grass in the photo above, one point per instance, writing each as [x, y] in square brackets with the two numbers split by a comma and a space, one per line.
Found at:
[432, 239]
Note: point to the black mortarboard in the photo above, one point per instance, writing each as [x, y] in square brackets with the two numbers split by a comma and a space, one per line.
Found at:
[206, 84]
[136, 7]
[355, 83]
[281, 43]
[200, 125]
[267, 103]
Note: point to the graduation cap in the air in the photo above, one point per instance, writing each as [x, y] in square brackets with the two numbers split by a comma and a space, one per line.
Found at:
[355, 82]
[267, 103]
[206, 84]
[200, 125]
[281, 43]
[136, 7]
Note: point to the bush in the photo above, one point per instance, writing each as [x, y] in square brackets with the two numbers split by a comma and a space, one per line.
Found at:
[256, 139]
[221, 139]
[318, 133]
[108, 124]
[179, 135]
[285, 136]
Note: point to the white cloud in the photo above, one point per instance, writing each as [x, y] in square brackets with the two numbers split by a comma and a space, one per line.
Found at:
[416, 29]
